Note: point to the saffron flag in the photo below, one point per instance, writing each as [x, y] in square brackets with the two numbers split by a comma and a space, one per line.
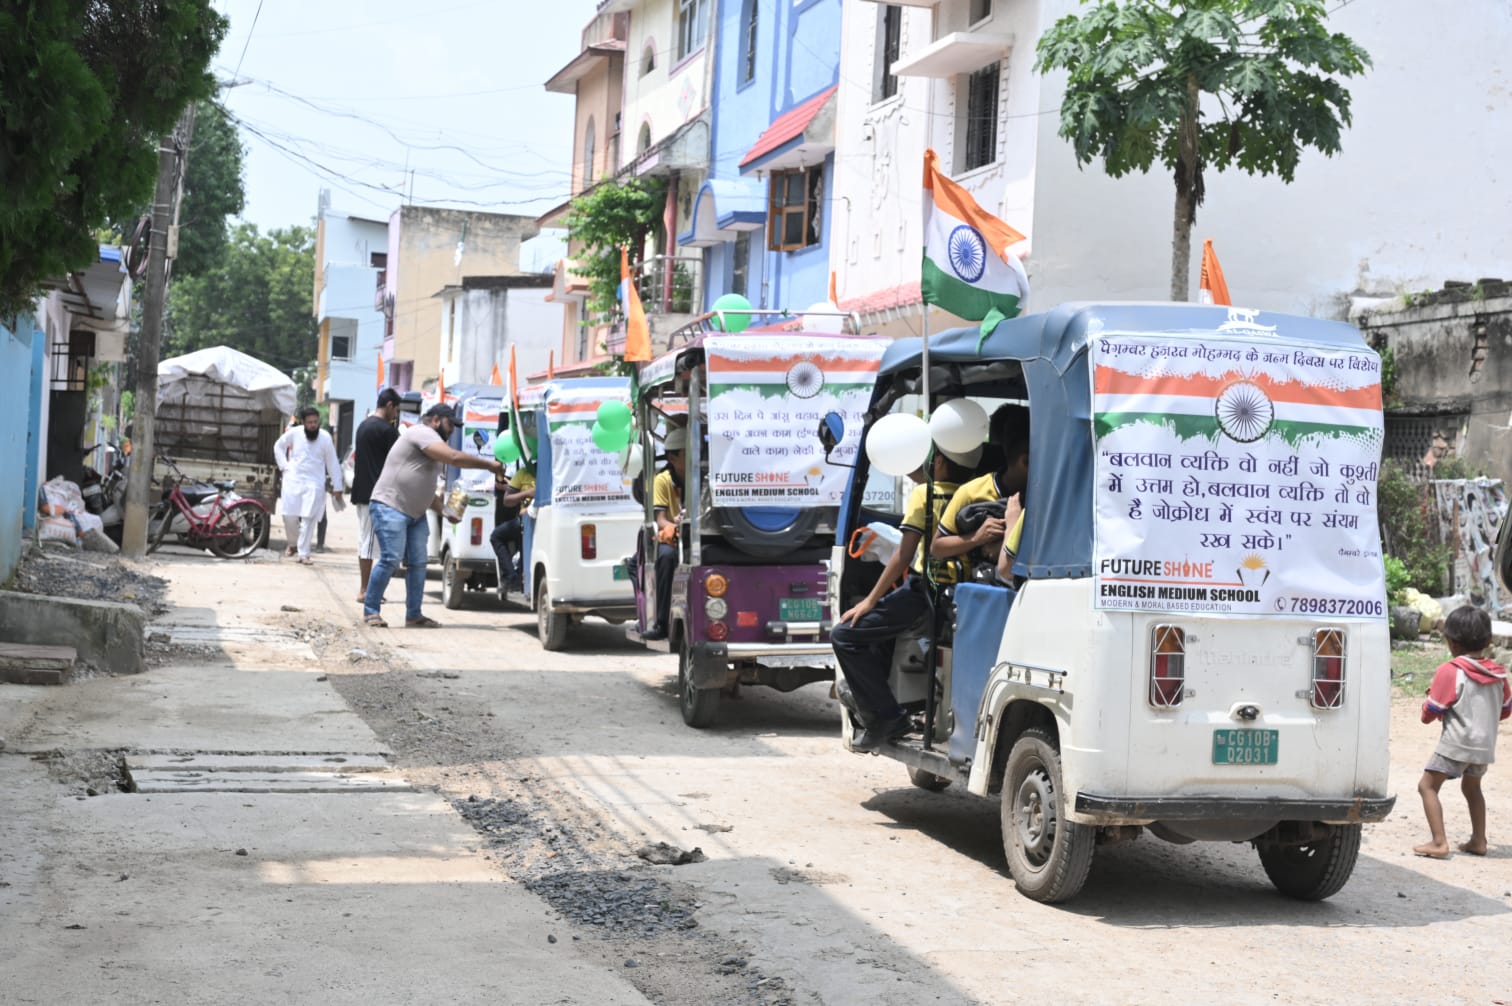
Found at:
[514, 379]
[968, 269]
[382, 370]
[637, 332]
[495, 377]
[551, 365]
[1213, 288]
[441, 387]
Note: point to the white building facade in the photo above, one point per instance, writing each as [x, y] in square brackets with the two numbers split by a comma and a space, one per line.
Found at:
[485, 317]
[1403, 208]
[351, 256]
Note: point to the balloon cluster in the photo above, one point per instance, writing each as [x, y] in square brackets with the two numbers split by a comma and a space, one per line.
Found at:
[611, 428]
[898, 444]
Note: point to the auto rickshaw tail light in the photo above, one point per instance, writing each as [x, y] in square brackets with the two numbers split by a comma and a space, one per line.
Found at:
[1167, 666]
[1328, 669]
[719, 631]
[590, 541]
[715, 585]
[477, 530]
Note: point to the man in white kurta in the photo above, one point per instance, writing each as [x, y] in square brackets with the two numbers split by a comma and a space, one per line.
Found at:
[307, 457]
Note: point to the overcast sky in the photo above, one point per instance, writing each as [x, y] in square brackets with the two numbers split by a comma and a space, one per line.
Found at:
[355, 96]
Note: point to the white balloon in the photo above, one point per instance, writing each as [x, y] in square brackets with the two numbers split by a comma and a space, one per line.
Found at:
[898, 444]
[632, 460]
[959, 425]
[832, 324]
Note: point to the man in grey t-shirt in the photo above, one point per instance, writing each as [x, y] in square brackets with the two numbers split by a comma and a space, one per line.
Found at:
[404, 491]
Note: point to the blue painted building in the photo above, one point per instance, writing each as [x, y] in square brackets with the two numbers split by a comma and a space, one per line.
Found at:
[764, 215]
[21, 360]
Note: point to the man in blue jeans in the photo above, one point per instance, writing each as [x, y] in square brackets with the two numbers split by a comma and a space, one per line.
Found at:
[404, 491]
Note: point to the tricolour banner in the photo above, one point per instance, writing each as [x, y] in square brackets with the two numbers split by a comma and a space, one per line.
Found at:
[582, 475]
[1235, 475]
[767, 395]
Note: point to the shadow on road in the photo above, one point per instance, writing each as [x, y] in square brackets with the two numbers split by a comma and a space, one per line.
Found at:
[1154, 884]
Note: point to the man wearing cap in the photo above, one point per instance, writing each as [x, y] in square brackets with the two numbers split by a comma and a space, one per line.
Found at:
[865, 635]
[666, 500]
[404, 491]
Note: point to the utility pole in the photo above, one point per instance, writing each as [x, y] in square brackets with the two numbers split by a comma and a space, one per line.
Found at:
[173, 156]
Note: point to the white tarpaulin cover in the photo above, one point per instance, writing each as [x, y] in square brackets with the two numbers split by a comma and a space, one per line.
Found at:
[190, 380]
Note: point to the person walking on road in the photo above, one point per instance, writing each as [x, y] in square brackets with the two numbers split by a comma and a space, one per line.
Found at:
[1470, 695]
[375, 436]
[404, 491]
[307, 457]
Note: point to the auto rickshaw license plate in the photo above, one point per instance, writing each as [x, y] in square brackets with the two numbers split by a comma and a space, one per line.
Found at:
[1245, 747]
[621, 571]
[800, 609]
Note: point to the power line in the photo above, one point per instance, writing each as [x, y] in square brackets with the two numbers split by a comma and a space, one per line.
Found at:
[255, 15]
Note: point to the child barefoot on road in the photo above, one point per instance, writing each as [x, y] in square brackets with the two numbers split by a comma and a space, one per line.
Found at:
[1470, 695]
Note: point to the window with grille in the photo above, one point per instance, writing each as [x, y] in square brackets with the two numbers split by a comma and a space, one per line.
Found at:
[795, 212]
[748, 57]
[70, 361]
[979, 145]
[1409, 439]
[740, 272]
[889, 48]
[692, 17]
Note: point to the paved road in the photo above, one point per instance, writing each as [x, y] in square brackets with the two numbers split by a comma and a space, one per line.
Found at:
[828, 877]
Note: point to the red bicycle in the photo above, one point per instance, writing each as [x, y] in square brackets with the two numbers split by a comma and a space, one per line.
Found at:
[210, 516]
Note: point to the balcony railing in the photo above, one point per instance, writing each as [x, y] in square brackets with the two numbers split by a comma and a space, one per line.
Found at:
[670, 284]
[607, 28]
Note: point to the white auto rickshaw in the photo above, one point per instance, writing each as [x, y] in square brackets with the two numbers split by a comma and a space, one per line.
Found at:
[1193, 641]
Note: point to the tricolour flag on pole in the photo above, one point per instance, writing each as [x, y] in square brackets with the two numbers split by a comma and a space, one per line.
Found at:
[968, 269]
[637, 332]
[495, 377]
[1212, 288]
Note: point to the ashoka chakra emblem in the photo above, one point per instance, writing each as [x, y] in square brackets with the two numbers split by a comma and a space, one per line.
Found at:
[805, 379]
[1244, 412]
[968, 253]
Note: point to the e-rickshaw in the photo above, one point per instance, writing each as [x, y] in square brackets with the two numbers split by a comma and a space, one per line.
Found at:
[583, 520]
[748, 597]
[1193, 641]
[467, 558]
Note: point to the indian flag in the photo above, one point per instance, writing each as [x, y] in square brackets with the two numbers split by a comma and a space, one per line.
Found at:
[1243, 407]
[968, 269]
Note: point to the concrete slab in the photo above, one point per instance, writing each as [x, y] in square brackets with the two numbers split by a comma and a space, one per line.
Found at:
[210, 709]
[107, 634]
[30, 664]
[268, 782]
[371, 901]
[255, 763]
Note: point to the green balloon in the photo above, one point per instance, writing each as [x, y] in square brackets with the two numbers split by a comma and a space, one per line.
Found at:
[735, 322]
[610, 441]
[614, 415]
[505, 450]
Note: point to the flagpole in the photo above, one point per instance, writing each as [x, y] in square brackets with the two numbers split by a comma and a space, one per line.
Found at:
[924, 363]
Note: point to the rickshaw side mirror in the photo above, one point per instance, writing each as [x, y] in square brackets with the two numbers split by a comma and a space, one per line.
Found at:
[831, 432]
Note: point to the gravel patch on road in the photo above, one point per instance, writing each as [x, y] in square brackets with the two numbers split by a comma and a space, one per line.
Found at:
[611, 903]
[90, 576]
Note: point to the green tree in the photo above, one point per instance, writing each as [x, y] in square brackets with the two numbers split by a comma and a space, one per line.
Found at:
[609, 217]
[1138, 71]
[87, 88]
[255, 298]
[213, 190]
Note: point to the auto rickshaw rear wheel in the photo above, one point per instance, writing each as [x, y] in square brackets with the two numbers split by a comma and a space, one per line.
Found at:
[452, 586]
[550, 626]
[699, 706]
[1048, 856]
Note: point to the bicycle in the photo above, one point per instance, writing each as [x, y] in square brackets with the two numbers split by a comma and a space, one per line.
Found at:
[229, 530]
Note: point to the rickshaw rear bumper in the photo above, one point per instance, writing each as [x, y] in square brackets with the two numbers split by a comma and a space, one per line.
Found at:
[785, 664]
[1144, 810]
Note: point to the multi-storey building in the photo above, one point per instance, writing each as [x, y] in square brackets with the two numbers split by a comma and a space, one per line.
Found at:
[351, 254]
